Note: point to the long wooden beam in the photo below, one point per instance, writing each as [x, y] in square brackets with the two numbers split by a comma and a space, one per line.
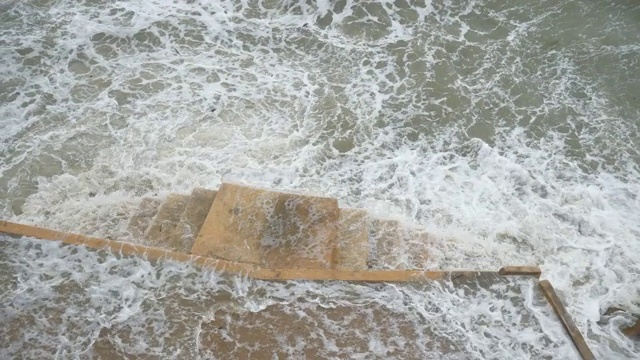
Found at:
[256, 272]
[521, 270]
[565, 318]
[122, 248]
[246, 269]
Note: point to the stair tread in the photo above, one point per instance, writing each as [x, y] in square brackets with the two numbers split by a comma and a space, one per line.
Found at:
[163, 230]
[352, 245]
[395, 246]
[418, 242]
[194, 215]
[387, 244]
[140, 221]
[272, 229]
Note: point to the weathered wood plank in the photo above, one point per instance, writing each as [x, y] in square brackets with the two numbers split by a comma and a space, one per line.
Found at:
[122, 248]
[239, 268]
[565, 318]
[521, 270]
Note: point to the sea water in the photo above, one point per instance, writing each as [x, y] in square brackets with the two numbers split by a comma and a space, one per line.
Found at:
[510, 130]
[68, 302]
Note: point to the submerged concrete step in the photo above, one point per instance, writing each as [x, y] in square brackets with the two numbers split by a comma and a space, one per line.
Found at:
[395, 246]
[272, 229]
[386, 244]
[352, 242]
[163, 230]
[193, 216]
[139, 222]
[418, 241]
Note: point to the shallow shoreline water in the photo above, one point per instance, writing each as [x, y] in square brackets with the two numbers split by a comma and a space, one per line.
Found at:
[74, 302]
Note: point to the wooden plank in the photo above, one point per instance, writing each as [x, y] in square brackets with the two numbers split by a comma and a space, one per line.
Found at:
[346, 275]
[521, 270]
[238, 268]
[402, 276]
[122, 248]
[565, 318]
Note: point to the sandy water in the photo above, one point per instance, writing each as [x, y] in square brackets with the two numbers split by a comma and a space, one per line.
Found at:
[509, 130]
[65, 302]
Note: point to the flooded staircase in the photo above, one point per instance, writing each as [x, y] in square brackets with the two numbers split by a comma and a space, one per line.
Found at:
[173, 223]
[276, 230]
[276, 236]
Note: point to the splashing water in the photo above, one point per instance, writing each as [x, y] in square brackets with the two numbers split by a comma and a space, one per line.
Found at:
[510, 130]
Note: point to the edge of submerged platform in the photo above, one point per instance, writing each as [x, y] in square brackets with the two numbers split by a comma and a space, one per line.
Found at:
[246, 269]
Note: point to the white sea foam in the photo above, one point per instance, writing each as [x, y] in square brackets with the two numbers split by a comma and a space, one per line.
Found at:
[509, 131]
[69, 301]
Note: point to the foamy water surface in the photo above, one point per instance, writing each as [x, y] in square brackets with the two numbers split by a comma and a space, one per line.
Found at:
[508, 129]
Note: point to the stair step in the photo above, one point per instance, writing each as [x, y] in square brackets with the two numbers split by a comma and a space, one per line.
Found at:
[115, 225]
[418, 242]
[352, 245]
[395, 246]
[163, 230]
[194, 215]
[140, 221]
[272, 229]
[387, 244]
